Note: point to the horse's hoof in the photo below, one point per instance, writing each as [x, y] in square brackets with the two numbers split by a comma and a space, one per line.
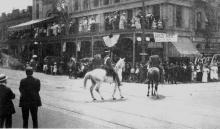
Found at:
[102, 98]
[114, 98]
[94, 99]
[122, 97]
[147, 95]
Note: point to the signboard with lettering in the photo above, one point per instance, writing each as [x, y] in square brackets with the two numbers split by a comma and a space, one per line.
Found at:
[165, 37]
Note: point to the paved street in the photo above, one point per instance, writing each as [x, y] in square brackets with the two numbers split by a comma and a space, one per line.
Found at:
[67, 104]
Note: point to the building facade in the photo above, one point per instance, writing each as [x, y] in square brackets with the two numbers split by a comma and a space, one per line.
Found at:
[131, 24]
[10, 19]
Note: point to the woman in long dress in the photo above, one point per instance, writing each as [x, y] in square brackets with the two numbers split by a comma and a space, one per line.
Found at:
[205, 74]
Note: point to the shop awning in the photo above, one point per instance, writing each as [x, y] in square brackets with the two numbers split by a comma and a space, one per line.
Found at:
[27, 25]
[185, 48]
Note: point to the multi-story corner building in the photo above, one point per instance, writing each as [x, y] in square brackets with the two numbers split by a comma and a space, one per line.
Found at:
[169, 28]
[6, 20]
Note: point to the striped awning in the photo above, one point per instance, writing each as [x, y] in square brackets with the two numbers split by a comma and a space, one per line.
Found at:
[185, 48]
[27, 25]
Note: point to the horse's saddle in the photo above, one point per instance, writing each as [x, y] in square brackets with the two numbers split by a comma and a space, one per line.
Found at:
[150, 70]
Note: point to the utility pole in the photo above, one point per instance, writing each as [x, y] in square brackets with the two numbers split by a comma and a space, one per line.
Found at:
[143, 46]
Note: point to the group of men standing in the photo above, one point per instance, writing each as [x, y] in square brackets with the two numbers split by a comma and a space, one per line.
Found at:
[29, 100]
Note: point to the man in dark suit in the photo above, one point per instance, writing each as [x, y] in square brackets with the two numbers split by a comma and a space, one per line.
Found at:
[6, 104]
[30, 99]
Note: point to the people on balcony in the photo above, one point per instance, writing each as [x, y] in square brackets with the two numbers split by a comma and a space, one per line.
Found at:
[113, 21]
[154, 25]
[137, 22]
[160, 25]
[85, 24]
[92, 23]
[80, 26]
[123, 21]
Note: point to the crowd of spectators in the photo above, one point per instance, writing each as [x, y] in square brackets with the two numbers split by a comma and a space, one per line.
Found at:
[174, 72]
[113, 21]
[120, 21]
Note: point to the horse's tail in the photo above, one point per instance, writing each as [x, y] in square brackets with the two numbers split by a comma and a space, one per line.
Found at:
[86, 78]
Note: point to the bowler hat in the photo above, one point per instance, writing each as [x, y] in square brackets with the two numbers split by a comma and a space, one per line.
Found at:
[29, 71]
[3, 77]
[29, 68]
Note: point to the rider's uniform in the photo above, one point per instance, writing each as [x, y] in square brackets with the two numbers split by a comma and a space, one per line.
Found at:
[110, 70]
[154, 61]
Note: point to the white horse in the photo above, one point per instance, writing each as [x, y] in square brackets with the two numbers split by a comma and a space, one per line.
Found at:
[98, 76]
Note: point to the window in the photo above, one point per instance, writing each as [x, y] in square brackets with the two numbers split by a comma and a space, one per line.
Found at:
[179, 16]
[85, 4]
[76, 5]
[117, 1]
[198, 20]
[156, 12]
[105, 2]
[218, 23]
[96, 3]
[37, 11]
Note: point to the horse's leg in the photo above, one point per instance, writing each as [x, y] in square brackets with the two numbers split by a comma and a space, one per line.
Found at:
[156, 88]
[119, 89]
[113, 95]
[91, 91]
[152, 88]
[97, 90]
[148, 88]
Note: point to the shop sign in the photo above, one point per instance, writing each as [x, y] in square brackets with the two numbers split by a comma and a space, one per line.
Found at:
[165, 37]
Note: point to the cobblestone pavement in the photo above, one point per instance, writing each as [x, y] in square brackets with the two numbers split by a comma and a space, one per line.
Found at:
[67, 104]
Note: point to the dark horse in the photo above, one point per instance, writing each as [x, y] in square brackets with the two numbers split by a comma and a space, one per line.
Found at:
[153, 80]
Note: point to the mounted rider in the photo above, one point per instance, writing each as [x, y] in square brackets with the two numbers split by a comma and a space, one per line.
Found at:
[154, 61]
[109, 68]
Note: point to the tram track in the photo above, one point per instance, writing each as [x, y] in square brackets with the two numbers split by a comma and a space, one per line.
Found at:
[106, 108]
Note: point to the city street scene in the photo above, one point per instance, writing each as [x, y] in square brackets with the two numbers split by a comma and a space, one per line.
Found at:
[151, 64]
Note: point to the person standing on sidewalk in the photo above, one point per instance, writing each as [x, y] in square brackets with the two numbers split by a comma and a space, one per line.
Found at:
[30, 99]
[6, 104]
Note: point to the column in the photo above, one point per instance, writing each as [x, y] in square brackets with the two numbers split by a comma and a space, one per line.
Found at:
[134, 41]
[92, 48]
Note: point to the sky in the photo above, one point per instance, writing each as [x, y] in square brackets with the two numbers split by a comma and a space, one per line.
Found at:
[8, 5]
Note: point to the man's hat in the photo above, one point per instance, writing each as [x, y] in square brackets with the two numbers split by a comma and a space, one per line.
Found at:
[29, 70]
[3, 77]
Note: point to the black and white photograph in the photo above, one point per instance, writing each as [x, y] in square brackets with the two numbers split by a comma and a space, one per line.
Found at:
[110, 64]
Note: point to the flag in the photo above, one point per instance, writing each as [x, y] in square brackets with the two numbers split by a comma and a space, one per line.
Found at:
[110, 41]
